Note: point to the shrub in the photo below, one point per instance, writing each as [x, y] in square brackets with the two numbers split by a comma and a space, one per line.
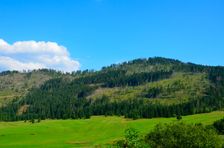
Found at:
[219, 126]
[183, 135]
[132, 140]
[179, 117]
[32, 121]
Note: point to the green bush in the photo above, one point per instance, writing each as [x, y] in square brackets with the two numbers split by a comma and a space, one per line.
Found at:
[39, 120]
[219, 126]
[184, 136]
[179, 117]
[32, 120]
[132, 140]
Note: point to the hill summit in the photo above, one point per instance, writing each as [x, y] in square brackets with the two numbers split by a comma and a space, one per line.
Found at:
[141, 88]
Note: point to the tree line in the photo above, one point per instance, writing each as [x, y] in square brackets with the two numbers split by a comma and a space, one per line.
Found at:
[62, 98]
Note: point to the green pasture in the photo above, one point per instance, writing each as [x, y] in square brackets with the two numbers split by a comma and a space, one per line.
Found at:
[99, 131]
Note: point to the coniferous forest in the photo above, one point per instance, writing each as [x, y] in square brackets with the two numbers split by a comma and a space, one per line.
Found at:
[142, 88]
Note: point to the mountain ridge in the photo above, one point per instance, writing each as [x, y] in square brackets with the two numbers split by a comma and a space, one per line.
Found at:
[141, 88]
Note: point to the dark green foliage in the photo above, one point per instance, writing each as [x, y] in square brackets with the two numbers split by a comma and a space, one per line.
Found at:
[115, 78]
[58, 99]
[172, 135]
[179, 117]
[64, 97]
[219, 126]
[183, 135]
[32, 120]
[153, 93]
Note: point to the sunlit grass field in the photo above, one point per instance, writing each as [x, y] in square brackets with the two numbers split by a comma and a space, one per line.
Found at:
[97, 131]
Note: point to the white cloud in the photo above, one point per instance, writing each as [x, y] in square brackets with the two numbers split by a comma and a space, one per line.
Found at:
[29, 55]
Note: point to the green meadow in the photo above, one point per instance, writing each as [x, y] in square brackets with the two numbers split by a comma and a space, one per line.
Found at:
[99, 131]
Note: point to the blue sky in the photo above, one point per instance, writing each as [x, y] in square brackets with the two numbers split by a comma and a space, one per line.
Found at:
[97, 33]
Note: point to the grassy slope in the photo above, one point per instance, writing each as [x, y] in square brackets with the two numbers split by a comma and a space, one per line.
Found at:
[18, 84]
[83, 133]
[177, 89]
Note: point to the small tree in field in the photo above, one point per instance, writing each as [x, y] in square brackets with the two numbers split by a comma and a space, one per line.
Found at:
[32, 121]
[179, 117]
[132, 140]
[132, 137]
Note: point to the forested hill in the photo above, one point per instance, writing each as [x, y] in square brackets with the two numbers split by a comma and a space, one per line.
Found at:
[142, 88]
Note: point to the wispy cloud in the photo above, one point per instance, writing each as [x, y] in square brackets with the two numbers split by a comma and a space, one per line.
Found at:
[29, 55]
